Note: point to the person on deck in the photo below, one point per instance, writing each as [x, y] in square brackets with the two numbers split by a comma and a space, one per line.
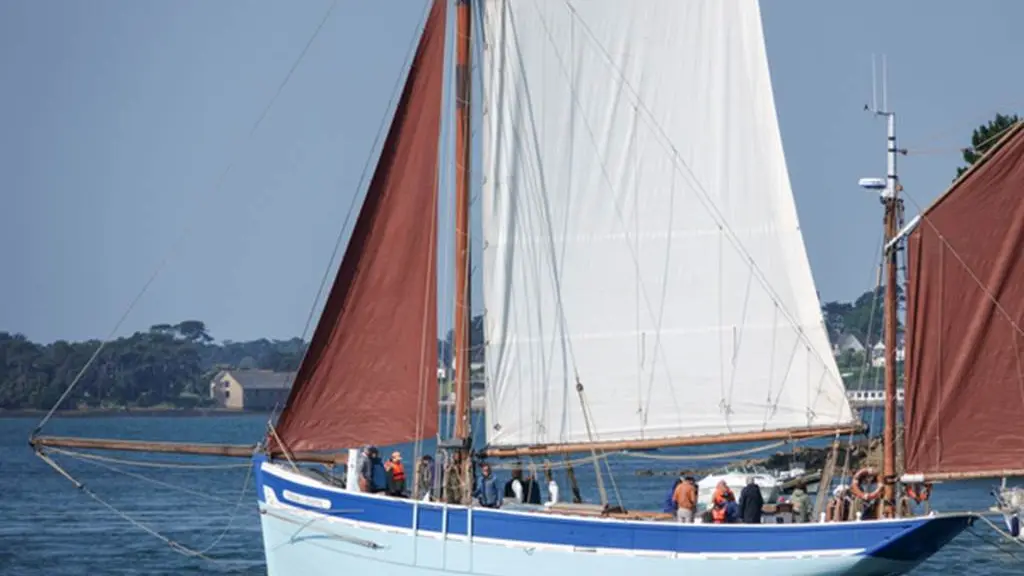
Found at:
[365, 469]
[372, 475]
[396, 475]
[723, 501]
[424, 486]
[751, 502]
[801, 504]
[487, 488]
[531, 490]
[552, 485]
[685, 498]
[457, 490]
[514, 487]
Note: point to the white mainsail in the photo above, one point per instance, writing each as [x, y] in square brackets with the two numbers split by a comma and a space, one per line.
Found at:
[640, 229]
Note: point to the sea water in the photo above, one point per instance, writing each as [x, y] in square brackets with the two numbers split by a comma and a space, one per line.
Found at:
[48, 527]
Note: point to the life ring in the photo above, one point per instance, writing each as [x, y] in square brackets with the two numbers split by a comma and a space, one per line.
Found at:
[858, 478]
[919, 492]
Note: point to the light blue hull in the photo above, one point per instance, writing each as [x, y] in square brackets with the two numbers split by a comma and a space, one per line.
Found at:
[312, 529]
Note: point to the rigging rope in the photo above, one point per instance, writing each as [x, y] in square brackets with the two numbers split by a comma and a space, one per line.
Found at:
[102, 461]
[974, 277]
[92, 462]
[1002, 533]
[370, 157]
[924, 216]
[590, 436]
[983, 143]
[711, 207]
[955, 132]
[218, 187]
[173, 544]
[421, 396]
[877, 270]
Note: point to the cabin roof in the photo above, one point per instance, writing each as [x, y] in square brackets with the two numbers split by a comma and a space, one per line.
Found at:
[260, 379]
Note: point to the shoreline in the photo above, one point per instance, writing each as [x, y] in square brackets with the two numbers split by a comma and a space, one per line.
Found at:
[130, 412]
[145, 412]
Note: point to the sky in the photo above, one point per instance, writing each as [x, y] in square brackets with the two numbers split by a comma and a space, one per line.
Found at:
[127, 144]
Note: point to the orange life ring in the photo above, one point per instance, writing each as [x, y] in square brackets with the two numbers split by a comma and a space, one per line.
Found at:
[858, 478]
[919, 492]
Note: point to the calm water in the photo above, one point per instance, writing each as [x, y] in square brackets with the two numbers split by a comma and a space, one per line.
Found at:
[48, 527]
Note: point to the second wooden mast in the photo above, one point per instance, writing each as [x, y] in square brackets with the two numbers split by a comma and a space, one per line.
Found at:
[893, 210]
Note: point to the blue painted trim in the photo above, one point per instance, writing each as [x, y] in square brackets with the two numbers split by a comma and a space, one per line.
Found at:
[906, 540]
[914, 545]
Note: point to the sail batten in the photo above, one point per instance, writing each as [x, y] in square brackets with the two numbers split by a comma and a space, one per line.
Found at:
[641, 239]
[965, 312]
[370, 375]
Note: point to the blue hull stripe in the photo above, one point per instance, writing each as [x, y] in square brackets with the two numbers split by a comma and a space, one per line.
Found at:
[910, 539]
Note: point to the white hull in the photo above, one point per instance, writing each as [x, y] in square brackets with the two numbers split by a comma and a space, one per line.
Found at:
[300, 543]
[311, 528]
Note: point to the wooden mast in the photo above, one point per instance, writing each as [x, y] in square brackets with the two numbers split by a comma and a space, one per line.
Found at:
[892, 210]
[463, 90]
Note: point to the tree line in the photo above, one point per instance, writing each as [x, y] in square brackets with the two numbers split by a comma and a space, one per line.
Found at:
[172, 364]
[168, 365]
[165, 365]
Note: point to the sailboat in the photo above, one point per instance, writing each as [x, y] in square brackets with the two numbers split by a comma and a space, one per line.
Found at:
[646, 286]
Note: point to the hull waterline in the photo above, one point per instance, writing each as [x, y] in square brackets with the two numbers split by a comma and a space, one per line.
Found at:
[312, 529]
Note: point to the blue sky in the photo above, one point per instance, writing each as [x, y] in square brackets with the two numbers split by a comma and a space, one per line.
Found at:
[119, 118]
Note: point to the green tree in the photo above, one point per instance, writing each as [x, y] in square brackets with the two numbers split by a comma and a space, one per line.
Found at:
[169, 363]
[984, 137]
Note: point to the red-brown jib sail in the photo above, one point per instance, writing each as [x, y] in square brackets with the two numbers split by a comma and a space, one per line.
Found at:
[965, 310]
[370, 375]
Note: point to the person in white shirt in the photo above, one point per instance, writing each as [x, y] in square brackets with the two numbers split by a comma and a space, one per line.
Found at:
[514, 487]
[552, 485]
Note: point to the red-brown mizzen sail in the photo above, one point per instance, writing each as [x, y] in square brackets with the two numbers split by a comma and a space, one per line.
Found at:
[370, 375]
[965, 309]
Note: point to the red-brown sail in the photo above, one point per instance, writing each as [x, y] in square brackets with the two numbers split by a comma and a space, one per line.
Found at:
[965, 310]
[370, 375]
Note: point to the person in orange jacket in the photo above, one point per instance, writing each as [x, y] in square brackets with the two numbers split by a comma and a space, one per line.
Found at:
[720, 500]
[396, 475]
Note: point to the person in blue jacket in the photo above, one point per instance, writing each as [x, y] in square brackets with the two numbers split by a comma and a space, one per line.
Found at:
[486, 490]
[372, 475]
